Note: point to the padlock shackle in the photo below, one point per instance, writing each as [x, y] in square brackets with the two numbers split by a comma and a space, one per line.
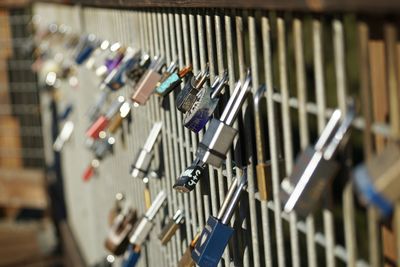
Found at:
[219, 84]
[156, 205]
[152, 138]
[236, 100]
[238, 188]
[328, 131]
[340, 133]
[184, 71]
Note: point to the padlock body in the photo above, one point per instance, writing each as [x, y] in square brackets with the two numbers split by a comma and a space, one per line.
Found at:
[212, 243]
[168, 85]
[315, 172]
[201, 111]
[118, 239]
[88, 173]
[84, 54]
[216, 142]
[141, 232]
[141, 164]
[145, 86]
[186, 97]
[102, 149]
[186, 260]
[132, 258]
[99, 125]
[168, 232]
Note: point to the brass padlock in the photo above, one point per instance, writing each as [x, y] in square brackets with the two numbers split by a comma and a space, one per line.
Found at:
[186, 260]
[171, 227]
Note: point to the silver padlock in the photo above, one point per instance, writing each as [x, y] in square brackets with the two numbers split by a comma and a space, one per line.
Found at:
[206, 102]
[145, 225]
[217, 140]
[64, 136]
[316, 166]
[187, 97]
[141, 164]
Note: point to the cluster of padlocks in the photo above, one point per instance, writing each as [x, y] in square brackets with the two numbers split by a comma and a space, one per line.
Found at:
[122, 66]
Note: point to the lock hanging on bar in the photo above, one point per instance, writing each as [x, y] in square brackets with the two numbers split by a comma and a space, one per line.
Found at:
[171, 227]
[101, 123]
[117, 239]
[376, 181]
[141, 164]
[86, 46]
[173, 81]
[64, 136]
[143, 228]
[316, 166]
[206, 102]
[217, 140]
[131, 256]
[217, 233]
[98, 56]
[148, 82]
[187, 97]
[186, 260]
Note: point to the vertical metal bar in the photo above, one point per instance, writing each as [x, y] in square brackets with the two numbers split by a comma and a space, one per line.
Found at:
[264, 205]
[178, 116]
[273, 140]
[287, 132]
[303, 123]
[348, 202]
[321, 109]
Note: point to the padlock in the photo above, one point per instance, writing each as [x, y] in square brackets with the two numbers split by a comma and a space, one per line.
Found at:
[147, 193]
[186, 260]
[113, 60]
[169, 70]
[90, 170]
[66, 112]
[101, 123]
[124, 112]
[145, 225]
[377, 180]
[93, 112]
[206, 102]
[172, 81]
[216, 234]
[316, 166]
[171, 227]
[136, 73]
[87, 46]
[131, 256]
[141, 164]
[117, 239]
[117, 208]
[217, 140]
[118, 76]
[187, 97]
[148, 82]
[263, 169]
[98, 56]
[104, 145]
[64, 136]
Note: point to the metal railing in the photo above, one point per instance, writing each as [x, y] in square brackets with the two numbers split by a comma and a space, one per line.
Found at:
[309, 64]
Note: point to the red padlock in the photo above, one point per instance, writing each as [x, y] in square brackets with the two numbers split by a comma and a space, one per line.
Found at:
[90, 170]
[101, 123]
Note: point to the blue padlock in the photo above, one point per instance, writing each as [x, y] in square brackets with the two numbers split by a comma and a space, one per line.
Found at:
[217, 233]
[172, 81]
[66, 112]
[86, 50]
[377, 180]
[131, 257]
[206, 101]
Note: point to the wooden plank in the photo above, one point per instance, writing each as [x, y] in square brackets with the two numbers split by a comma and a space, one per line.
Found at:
[22, 188]
[10, 143]
[371, 6]
[5, 34]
